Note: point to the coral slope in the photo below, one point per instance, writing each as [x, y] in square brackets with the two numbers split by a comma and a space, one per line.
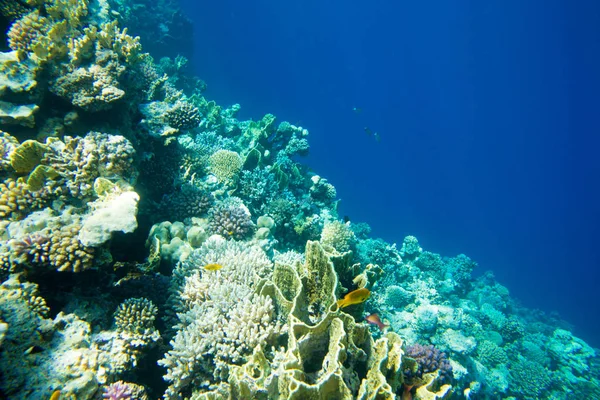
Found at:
[146, 232]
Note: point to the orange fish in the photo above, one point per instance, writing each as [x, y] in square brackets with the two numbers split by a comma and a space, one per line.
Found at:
[55, 395]
[354, 297]
[374, 319]
[213, 267]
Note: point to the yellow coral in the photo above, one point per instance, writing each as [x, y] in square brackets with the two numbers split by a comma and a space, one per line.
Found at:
[17, 200]
[67, 253]
[128, 48]
[24, 32]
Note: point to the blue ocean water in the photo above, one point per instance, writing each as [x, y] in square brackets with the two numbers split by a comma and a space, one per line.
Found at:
[487, 114]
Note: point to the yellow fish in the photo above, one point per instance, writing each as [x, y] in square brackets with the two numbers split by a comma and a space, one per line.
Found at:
[55, 395]
[213, 267]
[355, 297]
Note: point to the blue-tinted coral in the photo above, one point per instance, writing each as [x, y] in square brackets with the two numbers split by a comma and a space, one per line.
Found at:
[410, 248]
[431, 263]
[377, 251]
[512, 329]
[528, 380]
[230, 220]
[188, 202]
[257, 188]
[459, 268]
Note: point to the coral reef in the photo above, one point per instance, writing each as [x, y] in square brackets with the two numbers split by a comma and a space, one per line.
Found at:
[146, 231]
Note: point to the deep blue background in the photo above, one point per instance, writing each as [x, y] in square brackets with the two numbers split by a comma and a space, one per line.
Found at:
[488, 116]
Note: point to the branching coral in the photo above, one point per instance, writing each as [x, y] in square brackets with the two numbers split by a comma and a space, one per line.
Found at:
[429, 359]
[92, 88]
[183, 115]
[134, 320]
[67, 253]
[16, 200]
[189, 201]
[339, 236]
[231, 219]
[24, 32]
[222, 319]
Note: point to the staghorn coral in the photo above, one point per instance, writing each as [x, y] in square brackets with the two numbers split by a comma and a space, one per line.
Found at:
[117, 391]
[12, 8]
[32, 249]
[230, 219]
[214, 334]
[528, 380]
[225, 165]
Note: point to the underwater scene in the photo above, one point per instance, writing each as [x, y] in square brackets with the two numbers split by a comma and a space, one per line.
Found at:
[157, 244]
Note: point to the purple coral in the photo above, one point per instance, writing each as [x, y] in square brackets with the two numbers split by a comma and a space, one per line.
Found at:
[230, 220]
[429, 359]
[32, 248]
[117, 391]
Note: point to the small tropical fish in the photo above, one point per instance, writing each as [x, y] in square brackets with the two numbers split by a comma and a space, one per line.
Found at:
[355, 297]
[213, 267]
[374, 319]
[356, 110]
[55, 395]
[368, 130]
[377, 137]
